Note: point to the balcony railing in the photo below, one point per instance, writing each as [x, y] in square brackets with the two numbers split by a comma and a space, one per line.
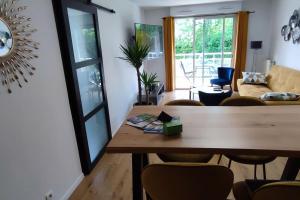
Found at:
[205, 69]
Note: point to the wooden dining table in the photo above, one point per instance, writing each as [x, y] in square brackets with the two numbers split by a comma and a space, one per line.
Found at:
[263, 130]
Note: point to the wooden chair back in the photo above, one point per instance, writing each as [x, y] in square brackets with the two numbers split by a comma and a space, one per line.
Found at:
[187, 181]
[278, 191]
[242, 101]
[184, 102]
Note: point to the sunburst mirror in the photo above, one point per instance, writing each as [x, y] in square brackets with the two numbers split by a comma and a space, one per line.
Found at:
[16, 46]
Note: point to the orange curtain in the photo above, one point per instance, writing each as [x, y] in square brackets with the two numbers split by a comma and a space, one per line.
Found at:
[241, 43]
[169, 45]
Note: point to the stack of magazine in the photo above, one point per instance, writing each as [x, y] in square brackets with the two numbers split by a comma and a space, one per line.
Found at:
[148, 123]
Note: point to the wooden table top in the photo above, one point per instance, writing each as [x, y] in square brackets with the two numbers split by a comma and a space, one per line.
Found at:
[267, 130]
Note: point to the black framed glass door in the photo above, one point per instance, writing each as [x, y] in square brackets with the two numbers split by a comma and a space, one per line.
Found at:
[77, 25]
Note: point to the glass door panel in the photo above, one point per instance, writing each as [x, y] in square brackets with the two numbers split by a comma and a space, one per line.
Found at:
[228, 42]
[83, 35]
[199, 47]
[184, 34]
[212, 53]
[90, 87]
[97, 134]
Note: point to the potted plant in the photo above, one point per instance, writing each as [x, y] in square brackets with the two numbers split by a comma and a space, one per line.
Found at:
[148, 81]
[135, 53]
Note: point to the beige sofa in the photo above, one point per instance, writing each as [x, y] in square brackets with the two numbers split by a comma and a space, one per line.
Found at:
[280, 79]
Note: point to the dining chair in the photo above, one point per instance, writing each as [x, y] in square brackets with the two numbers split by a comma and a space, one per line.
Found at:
[225, 76]
[272, 191]
[184, 157]
[184, 102]
[187, 181]
[247, 159]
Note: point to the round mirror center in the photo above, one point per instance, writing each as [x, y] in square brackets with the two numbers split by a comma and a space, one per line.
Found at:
[6, 39]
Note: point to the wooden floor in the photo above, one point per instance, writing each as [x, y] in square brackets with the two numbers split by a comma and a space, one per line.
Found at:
[111, 179]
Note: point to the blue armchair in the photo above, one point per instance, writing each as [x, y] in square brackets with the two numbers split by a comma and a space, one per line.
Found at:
[225, 76]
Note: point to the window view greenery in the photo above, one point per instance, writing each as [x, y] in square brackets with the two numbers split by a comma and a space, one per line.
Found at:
[202, 45]
[213, 31]
[90, 38]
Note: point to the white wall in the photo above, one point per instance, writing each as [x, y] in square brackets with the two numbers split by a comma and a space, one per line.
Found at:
[206, 9]
[154, 17]
[120, 77]
[38, 149]
[259, 30]
[284, 53]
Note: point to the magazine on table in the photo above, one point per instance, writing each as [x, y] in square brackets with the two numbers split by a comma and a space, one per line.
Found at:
[148, 123]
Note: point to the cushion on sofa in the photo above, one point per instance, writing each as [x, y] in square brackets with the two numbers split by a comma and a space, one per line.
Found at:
[282, 103]
[254, 78]
[279, 96]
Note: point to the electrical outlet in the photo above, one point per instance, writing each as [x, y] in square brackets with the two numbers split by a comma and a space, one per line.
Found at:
[49, 195]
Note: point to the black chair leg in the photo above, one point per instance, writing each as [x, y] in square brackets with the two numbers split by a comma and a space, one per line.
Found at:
[255, 168]
[220, 158]
[229, 164]
[265, 173]
[291, 169]
[145, 163]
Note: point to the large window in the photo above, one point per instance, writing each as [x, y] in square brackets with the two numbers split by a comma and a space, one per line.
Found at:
[202, 45]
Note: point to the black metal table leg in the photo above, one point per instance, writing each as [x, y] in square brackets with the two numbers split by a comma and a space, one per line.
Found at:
[145, 163]
[291, 169]
[137, 167]
[145, 160]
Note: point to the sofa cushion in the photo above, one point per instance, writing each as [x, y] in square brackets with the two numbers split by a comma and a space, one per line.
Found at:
[282, 103]
[280, 96]
[283, 79]
[254, 78]
[251, 90]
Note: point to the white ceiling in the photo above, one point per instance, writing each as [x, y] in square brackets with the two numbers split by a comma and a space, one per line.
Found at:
[169, 3]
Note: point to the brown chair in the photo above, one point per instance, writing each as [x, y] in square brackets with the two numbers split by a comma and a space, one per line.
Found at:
[183, 157]
[272, 191]
[242, 101]
[187, 181]
[247, 159]
[184, 102]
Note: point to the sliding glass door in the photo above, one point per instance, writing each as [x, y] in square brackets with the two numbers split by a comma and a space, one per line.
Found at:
[77, 25]
[202, 45]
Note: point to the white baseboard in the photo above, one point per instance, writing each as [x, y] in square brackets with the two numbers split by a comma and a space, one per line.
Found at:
[70, 191]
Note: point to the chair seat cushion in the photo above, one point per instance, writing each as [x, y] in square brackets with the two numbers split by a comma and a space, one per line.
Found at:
[251, 159]
[182, 157]
[220, 82]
